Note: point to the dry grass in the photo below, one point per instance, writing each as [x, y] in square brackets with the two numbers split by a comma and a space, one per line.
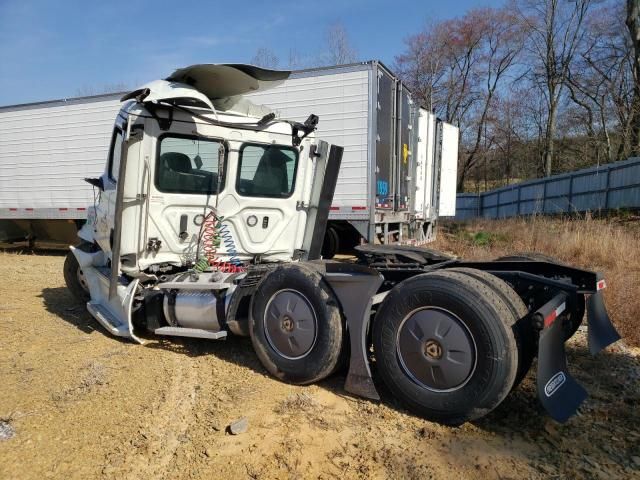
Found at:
[611, 246]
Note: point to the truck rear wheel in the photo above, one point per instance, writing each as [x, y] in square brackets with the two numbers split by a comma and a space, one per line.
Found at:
[330, 244]
[520, 322]
[74, 276]
[295, 325]
[444, 347]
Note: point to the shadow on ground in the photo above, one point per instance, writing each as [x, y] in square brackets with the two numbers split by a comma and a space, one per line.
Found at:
[599, 431]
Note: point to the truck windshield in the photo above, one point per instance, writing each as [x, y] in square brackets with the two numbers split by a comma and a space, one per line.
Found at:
[266, 170]
[188, 165]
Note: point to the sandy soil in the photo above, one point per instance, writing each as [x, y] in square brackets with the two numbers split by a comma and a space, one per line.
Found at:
[78, 403]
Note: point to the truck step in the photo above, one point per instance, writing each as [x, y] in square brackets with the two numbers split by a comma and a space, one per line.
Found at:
[191, 332]
[108, 320]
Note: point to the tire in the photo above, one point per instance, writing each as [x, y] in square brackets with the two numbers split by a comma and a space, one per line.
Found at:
[577, 315]
[519, 321]
[73, 274]
[285, 298]
[476, 326]
[330, 244]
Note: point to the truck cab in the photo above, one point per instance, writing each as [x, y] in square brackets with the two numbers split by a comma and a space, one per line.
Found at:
[209, 219]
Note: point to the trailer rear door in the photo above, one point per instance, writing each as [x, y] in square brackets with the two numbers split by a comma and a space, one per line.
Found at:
[448, 170]
[385, 144]
[424, 164]
[403, 148]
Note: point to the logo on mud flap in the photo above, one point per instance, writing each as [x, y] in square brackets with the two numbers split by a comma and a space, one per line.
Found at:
[554, 383]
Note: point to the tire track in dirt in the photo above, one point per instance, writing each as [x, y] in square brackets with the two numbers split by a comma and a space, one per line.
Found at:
[150, 454]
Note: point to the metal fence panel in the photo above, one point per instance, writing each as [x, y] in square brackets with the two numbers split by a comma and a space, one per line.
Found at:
[611, 186]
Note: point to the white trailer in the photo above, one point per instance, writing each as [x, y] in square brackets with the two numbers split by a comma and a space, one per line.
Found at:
[392, 186]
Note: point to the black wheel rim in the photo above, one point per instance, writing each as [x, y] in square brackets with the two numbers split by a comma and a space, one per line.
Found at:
[290, 324]
[436, 349]
[82, 280]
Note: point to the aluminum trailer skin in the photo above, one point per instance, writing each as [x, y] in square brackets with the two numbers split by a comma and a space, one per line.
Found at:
[210, 221]
[398, 173]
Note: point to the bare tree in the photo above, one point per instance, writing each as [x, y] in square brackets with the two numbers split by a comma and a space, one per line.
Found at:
[501, 43]
[339, 48]
[556, 31]
[295, 61]
[88, 91]
[633, 24]
[265, 58]
[601, 83]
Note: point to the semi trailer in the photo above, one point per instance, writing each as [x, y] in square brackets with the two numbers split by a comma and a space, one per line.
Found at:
[398, 170]
[209, 221]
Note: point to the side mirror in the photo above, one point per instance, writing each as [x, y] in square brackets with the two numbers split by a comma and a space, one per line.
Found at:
[96, 182]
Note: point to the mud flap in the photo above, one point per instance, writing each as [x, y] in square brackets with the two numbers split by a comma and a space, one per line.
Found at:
[602, 333]
[559, 393]
[355, 290]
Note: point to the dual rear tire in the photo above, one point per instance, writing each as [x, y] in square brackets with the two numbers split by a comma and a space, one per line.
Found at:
[445, 346]
[445, 343]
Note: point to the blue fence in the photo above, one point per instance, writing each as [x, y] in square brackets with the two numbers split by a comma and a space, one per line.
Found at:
[610, 186]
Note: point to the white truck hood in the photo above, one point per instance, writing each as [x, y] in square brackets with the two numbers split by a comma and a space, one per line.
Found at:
[212, 85]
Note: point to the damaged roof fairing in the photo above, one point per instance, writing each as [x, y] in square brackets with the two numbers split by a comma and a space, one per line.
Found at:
[212, 86]
[228, 80]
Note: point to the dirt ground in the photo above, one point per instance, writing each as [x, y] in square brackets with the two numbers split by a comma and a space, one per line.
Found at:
[78, 403]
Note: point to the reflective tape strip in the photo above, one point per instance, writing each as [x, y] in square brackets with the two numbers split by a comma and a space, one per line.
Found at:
[601, 284]
[555, 314]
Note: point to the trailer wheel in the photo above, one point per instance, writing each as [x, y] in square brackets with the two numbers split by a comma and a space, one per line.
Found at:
[295, 325]
[74, 276]
[444, 347]
[330, 243]
[576, 316]
[519, 321]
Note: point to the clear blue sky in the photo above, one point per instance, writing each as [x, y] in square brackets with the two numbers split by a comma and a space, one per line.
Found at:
[52, 48]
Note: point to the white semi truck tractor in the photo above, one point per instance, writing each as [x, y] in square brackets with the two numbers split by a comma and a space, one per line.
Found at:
[209, 221]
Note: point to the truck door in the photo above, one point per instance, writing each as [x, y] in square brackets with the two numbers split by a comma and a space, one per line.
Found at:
[105, 209]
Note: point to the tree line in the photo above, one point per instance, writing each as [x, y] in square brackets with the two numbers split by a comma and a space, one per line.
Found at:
[537, 87]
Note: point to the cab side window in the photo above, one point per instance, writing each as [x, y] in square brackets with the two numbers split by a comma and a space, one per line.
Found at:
[114, 154]
[266, 171]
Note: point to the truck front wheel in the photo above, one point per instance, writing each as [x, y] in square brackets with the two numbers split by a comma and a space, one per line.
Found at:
[74, 276]
[444, 346]
[295, 325]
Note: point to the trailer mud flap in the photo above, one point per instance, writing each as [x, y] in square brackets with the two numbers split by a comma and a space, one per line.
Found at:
[559, 393]
[602, 333]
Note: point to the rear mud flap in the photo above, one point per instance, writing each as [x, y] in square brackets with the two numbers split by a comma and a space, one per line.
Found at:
[559, 393]
[602, 333]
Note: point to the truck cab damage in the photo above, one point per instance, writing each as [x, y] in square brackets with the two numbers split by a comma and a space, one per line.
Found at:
[211, 218]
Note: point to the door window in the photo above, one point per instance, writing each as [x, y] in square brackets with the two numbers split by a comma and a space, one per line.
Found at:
[115, 154]
[266, 171]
